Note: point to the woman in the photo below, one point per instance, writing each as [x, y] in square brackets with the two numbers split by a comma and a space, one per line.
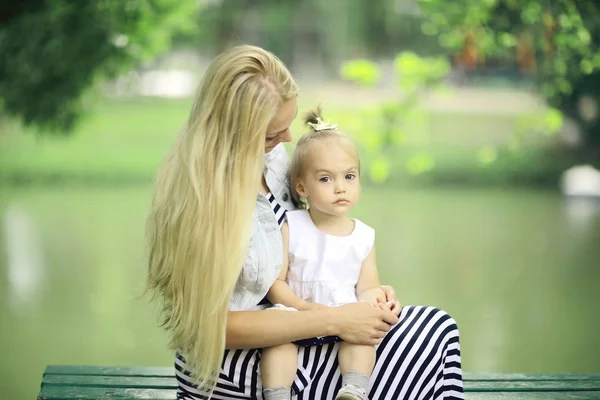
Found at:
[215, 249]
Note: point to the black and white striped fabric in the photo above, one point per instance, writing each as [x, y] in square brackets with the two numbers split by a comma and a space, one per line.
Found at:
[277, 209]
[418, 359]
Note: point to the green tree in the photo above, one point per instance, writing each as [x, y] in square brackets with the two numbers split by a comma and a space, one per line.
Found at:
[330, 31]
[556, 41]
[386, 127]
[53, 51]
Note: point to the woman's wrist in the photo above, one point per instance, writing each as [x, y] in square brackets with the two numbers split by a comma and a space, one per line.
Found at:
[330, 316]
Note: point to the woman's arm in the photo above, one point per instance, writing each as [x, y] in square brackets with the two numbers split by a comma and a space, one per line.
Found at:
[358, 323]
[258, 329]
[368, 287]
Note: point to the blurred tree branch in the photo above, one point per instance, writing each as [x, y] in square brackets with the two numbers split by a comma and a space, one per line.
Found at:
[55, 50]
[557, 42]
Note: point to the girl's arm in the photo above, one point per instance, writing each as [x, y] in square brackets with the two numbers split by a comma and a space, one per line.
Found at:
[280, 292]
[368, 287]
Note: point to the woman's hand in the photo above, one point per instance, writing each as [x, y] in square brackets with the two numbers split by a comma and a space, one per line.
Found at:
[391, 300]
[361, 323]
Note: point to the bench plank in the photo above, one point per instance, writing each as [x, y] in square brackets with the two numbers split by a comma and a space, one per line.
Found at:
[171, 383]
[87, 393]
[533, 396]
[513, 376]
[66, 382]
[531, 386]
[111, 381]
[168, 372]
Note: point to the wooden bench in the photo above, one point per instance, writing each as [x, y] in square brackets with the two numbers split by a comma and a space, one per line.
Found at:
[90, 382]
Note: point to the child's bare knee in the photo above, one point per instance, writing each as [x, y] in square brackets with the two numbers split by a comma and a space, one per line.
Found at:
[281, 350]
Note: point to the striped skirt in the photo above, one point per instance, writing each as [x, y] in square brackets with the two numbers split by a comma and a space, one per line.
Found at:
[419, 358]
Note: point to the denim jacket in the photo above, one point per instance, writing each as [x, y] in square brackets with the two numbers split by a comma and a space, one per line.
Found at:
[265, 254]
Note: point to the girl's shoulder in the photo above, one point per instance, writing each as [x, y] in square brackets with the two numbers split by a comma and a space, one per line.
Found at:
[298, 217]
[363, 232]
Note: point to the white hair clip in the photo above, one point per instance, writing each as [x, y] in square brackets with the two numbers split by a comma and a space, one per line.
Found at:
[322, 126]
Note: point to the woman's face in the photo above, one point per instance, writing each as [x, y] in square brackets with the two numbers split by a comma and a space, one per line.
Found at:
[279, 128]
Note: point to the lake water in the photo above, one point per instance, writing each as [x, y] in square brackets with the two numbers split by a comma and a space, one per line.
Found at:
[518, 269]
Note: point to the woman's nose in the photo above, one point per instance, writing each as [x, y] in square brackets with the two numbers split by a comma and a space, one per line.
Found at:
[286, 136]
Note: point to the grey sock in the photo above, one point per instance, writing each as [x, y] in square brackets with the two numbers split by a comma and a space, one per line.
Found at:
[354, 378]
[279, 393]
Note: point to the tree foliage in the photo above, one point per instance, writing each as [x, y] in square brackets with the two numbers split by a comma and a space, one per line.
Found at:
[557, 42]
[387, 124]
[55, 50]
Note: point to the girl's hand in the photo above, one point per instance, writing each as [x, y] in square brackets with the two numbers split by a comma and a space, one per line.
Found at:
[382, 305]
[361, 323]
[391, 300]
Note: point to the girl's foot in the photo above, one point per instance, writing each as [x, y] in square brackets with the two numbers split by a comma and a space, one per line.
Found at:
[351, 392]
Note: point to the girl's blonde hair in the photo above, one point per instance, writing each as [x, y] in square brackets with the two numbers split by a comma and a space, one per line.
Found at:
[198, 228]
[319, 130]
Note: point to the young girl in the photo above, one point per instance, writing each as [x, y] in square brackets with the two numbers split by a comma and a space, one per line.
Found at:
[331, 257]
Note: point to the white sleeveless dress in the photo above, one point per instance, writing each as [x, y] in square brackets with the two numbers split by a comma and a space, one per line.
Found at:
[324, 268]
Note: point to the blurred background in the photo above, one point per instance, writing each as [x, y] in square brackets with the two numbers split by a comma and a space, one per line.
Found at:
[478, 128]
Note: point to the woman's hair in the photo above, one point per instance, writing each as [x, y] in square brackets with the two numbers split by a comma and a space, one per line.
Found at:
[199, 225]
[319, 130]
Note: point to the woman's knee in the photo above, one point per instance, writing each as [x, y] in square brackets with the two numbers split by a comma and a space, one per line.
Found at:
[414, 313]
[446, 317]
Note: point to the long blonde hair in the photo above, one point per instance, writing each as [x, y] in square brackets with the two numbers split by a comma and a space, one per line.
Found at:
[198, 228]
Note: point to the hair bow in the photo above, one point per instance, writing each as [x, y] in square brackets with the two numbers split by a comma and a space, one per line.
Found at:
[322, 126]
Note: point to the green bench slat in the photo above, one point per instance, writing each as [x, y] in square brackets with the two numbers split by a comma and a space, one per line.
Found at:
[168, 372]
[158, 394]
[69, 393]
[514, 376]
[533, 396]
[531, 386]
[171, 383]
[110, 381]
[97, 382]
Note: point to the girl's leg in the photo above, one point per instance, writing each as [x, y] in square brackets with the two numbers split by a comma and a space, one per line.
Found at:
[278, 369]
[357, 358]
[356, 363]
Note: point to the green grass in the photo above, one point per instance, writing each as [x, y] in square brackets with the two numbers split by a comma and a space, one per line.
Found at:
[125, 141]
[119, 140]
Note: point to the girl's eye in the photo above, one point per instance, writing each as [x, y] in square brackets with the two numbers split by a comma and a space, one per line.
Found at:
[350, 176]
[325, 179]
[270, 139]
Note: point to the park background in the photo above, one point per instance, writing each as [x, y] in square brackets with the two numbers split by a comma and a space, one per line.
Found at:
[467, 115]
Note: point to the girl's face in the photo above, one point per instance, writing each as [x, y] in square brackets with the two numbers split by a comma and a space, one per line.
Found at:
[279, 127]
[330, 181]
